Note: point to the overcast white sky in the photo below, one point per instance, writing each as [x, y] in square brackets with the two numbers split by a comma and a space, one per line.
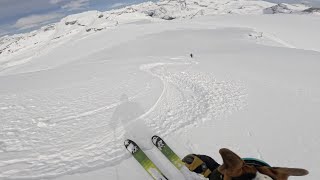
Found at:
[24, 15]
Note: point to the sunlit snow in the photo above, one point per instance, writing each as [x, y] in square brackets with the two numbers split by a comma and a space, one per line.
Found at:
[72, 92]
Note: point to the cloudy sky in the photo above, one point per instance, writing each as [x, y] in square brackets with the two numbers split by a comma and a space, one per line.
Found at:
[25, 15]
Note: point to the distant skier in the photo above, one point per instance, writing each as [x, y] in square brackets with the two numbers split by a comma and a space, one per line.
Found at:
[191, 55]
[234, 167]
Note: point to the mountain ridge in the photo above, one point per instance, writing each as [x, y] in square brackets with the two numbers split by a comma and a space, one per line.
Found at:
[88, 22]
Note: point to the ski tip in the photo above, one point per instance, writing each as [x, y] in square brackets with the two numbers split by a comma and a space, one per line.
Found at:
[155, 136]
[131, 146]
[127, 142]
[154, 139]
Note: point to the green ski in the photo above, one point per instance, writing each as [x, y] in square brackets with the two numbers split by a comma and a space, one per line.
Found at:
[144, 161]
[171, 156]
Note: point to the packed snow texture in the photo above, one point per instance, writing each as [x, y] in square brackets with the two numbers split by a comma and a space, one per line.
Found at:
[72, 92]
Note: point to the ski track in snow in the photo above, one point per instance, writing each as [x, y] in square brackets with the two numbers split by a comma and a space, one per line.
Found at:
[190, 97]
[43, 134]
[269, 39]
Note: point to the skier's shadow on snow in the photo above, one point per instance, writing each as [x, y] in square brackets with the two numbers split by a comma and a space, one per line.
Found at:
[127, 116]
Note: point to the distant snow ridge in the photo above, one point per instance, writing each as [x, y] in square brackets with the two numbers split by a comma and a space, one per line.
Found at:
[312, 11]
[285, 8]
[86, 23]
[89, 22]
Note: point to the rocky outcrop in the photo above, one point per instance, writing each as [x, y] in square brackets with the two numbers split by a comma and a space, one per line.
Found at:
[285, 8]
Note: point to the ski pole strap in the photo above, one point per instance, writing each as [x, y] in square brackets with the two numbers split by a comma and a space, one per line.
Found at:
[195, 164]
[206, 173]
[255, 162]
[192, 162]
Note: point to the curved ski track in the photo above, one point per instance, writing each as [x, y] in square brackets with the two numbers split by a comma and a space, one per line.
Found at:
[38, 144]
[190, 97]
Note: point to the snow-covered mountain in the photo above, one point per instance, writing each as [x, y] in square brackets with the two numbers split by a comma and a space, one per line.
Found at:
[312, 10]
[73, 91]
[86, 23]
[286, 8]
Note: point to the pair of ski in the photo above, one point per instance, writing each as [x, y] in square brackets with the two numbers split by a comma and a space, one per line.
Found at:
[148, 165]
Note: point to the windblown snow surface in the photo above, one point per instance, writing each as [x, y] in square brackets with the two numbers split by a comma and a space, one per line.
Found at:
[252, 86]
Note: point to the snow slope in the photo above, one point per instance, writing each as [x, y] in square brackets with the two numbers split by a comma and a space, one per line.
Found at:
[21, 48]
[252, 86]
